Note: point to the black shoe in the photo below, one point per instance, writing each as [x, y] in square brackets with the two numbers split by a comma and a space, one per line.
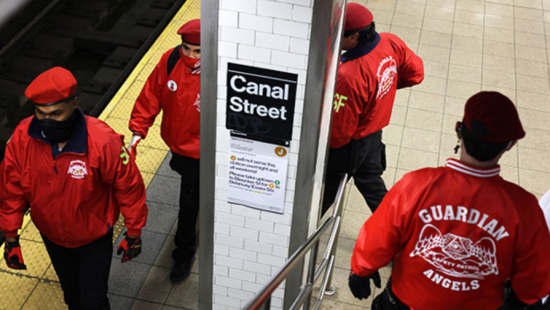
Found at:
[181, 270]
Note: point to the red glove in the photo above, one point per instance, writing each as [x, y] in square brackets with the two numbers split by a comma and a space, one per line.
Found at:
[133, 144]
[131, 247]
[13, 255]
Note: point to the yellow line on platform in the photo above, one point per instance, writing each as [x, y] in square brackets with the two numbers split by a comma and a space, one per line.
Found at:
[130, 80]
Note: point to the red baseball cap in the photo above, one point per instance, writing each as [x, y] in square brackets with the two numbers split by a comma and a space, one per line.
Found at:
[190, 32]
[357, 17]
[492, 117]
[52, 87]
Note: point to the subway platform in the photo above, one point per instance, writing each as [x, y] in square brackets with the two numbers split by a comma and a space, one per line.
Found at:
[143, 282]
[466, 45]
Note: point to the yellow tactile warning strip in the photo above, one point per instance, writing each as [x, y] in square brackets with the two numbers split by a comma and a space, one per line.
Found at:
[38, 288]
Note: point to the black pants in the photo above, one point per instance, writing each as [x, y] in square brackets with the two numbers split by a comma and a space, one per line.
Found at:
[388, 301]
[512, 302]
[365, 161]
[186, 235]
[83, 272]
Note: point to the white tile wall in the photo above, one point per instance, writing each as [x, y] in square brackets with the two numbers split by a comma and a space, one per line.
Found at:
[256, 23]
[302, 14]
[251, 245]
[290, 28]
[246, 6]
[254, 53]
[273, 41]
[299, 46]
[274, 9]
[228, 18]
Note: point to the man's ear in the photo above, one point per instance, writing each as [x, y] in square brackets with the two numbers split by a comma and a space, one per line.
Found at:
[511, 144]
[458, 129]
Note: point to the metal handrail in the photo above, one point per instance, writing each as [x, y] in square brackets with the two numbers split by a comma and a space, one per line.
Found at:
[263, 299]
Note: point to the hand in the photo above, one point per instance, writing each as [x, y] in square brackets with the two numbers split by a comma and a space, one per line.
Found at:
[133, 144]
[130, 246]
[13, 255]
[360, 286]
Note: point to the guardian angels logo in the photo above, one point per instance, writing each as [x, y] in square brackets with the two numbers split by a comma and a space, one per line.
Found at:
[459, 263]
[387, 70]
[457, 256]
[77, 169]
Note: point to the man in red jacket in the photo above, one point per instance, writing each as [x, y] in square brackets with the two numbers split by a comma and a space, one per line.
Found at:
[77, 176]
[373, 68]
[174, 88]
[456, 234]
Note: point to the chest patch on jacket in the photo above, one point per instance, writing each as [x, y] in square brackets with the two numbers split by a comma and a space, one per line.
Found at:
[77, 169]
[387, 70]
[172, 86]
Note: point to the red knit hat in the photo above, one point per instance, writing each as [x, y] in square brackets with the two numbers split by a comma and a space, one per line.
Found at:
[358, 17]
[190, 32]
[52, 87]
[492, 117]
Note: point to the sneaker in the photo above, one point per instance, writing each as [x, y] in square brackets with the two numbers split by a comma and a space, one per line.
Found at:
[181, 270]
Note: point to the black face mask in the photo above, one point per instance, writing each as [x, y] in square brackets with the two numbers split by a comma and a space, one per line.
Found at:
[56, 131]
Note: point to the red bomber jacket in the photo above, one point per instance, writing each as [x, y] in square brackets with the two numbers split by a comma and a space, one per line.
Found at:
[75, 195]
[178, 95]
[368, 78]
[456, 235]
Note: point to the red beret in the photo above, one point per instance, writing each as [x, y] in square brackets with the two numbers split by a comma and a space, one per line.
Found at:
[492, 117]
[52, 87]
[190, 32]
[357, 17]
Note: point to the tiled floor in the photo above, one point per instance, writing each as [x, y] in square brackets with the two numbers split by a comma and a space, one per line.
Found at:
[467, 46]
[143, 282]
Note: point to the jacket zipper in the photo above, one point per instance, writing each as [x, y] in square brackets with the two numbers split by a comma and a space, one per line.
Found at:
[55, 191]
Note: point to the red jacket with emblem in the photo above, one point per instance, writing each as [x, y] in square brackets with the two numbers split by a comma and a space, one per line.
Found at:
[77, 197]
[456, 234]
[368, 79]
[178, 95]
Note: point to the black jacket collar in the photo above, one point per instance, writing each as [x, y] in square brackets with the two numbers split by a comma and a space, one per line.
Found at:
[78, 143]
[361, 50]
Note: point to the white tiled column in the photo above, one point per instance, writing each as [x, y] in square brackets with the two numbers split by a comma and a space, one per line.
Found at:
[250, 246]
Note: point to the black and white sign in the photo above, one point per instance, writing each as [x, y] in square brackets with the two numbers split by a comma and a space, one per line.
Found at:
[257, 173]
[260, 101]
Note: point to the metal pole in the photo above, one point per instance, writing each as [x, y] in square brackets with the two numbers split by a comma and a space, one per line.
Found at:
[209, 87]
[321, 269]
[313, 244]
[311, 272]
[333, 241]
[328, 274]
[304, 293]
[291, 264]
[267, 304]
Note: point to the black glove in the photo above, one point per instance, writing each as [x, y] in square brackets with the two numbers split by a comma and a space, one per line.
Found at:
[131, 247]
[13, 255]
[360, 286]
